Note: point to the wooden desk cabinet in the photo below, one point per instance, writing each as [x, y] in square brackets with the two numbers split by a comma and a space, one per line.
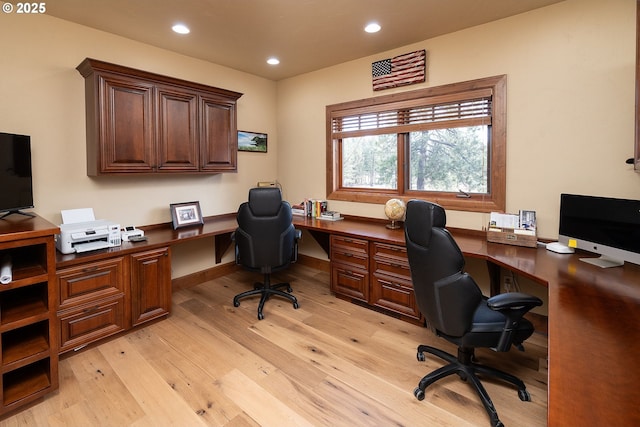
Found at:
[374, 273]
[391, 286]
[92, 302]
[111, 294]
[28, 333]
[350, 267]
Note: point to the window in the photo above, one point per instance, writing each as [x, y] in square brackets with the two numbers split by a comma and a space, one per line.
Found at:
[446, 144]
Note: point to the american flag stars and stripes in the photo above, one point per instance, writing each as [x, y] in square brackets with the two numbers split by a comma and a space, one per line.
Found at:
[399, 71]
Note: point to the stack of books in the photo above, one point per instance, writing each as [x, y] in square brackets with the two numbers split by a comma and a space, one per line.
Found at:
[310, 208]
[330, 216]
[315, 208]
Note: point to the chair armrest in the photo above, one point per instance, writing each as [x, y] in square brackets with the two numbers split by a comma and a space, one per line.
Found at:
[513, 305]
[512, 301]
[296, 237]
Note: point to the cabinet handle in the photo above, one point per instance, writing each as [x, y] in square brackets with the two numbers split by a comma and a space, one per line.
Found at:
[89, 269]
[92, 309]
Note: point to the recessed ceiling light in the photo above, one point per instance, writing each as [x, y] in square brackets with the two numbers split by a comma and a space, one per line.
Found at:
[181, 29]
[273, 61]
[372, 27]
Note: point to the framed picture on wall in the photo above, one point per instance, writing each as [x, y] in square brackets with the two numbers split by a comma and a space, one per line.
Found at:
[252, 141]
[186, 214]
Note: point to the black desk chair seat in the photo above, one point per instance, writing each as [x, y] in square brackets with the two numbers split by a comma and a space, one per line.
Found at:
[456, 310]
[266, 242]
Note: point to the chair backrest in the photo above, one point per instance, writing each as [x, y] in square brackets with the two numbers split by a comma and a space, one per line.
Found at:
[445, 294]
[265, 235]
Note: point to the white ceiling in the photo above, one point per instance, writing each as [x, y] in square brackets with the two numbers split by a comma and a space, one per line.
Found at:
[306, 35]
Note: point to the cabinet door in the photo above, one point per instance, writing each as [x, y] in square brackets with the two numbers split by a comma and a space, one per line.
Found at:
[126, 135]
[150, 285]
[177, 130]
[218, 135]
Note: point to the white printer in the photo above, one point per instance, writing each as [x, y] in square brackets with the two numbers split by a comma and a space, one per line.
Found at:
[81, 232]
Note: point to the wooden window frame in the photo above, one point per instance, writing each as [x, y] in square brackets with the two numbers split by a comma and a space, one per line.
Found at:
[493, 201]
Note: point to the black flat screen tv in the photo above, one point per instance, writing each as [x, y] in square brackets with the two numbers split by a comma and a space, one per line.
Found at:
[16, 186]
[605, 226]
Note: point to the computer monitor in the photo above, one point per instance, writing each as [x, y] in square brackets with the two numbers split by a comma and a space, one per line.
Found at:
[602, 225]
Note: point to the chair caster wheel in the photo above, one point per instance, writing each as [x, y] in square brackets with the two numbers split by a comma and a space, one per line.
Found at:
[420, 356]
[295, 305]
[524, 395]
[419, 394]
[289, 289]
[236, 303]
[260, 316]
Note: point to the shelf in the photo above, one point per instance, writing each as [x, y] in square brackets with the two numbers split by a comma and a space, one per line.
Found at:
[25, 345]
[26, 383]
[21, 306]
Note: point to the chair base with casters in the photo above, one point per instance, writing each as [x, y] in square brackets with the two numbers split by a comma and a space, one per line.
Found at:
[465, 367]
[266, 290]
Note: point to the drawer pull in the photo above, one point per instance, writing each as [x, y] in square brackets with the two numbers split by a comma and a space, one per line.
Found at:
[89, 269]
[91, 309]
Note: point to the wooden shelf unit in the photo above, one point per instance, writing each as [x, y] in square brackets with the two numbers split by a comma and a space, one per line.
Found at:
[28, 332]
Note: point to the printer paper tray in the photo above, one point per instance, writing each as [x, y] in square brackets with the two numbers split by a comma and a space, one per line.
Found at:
[91, 246]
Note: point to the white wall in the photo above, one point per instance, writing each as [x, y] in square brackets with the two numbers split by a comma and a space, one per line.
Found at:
[42, 95]
[570, 106]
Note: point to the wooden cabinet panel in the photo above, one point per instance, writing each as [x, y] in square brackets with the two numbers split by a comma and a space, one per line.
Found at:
[126, 130]
[219, 144]
[350, 282]
[85, 324]
[150, 285]
[177, 130]
[90, 282]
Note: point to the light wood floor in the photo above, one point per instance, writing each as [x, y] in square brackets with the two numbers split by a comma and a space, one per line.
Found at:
[329, 363]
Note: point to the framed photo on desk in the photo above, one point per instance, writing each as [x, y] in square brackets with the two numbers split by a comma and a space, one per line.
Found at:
[186, 214]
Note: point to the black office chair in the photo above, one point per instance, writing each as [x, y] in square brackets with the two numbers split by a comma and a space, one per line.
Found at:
[266, 242]
[455, 308]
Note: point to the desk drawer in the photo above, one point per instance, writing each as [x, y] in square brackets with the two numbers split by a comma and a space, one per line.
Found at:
[85, 324]
[350, 282]
[394, 295]
[391, 260]
[350, 244]
[354, 252]
[81, 284]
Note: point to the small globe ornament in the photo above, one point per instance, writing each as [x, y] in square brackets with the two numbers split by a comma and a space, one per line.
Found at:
[394, 209]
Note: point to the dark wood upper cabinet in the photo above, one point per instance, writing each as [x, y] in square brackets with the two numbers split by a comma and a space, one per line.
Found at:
[140, 122]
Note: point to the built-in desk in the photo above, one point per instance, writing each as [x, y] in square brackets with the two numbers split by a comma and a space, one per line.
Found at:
[594, 321]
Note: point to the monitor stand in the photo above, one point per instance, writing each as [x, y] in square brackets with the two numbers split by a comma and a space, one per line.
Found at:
[17, 211]
[603, 261]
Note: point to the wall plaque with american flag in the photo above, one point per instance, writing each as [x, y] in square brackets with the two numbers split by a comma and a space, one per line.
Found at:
[399, 71]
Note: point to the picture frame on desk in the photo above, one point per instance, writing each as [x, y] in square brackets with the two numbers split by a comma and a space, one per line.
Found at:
[186, 214]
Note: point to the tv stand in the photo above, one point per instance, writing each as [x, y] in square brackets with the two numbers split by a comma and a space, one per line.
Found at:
[18, 212]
